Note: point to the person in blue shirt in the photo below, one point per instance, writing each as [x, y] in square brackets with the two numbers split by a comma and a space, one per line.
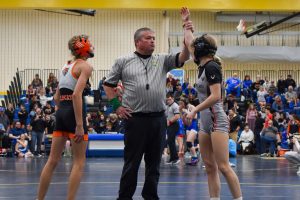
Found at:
[190, 90]
[233, 85]
[247, 83]
[294, 106]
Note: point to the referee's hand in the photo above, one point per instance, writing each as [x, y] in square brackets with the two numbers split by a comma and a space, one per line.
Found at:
[124, 112]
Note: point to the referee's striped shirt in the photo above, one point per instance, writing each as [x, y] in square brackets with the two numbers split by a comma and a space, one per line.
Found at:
[135, 73]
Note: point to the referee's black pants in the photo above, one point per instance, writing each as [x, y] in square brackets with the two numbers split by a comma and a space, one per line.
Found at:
[171, 132]
[144, 135]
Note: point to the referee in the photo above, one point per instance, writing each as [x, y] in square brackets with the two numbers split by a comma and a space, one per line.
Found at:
[143, 75]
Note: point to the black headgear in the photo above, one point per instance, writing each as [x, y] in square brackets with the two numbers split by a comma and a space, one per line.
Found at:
[203, 48]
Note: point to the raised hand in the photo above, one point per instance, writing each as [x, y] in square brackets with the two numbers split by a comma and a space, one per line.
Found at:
[185, 14]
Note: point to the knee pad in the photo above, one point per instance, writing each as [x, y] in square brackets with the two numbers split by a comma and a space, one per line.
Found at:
[189, 145]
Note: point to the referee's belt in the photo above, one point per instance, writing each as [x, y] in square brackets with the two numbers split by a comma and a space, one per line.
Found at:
[149, 114]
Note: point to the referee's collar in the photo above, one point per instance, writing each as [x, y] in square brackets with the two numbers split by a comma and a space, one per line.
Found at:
[142, 56]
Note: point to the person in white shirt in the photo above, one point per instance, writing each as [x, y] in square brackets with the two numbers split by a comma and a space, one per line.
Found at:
[246, 140]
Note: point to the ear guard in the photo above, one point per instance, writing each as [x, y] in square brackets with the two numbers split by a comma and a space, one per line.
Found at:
[82, 47]
[203, 48]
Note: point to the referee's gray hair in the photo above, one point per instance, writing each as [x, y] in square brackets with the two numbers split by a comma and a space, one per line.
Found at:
[137, 34]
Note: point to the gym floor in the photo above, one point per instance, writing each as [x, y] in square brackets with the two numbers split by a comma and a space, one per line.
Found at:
[260, 178]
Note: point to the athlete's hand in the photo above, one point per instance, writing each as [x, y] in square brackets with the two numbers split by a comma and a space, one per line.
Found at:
[79, 132]
[124, 112]
[185, 14]
[190, 117]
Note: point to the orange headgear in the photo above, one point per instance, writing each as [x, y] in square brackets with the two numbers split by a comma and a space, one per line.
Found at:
[82, 47]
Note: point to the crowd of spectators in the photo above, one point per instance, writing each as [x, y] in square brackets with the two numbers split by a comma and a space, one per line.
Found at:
[263, 115]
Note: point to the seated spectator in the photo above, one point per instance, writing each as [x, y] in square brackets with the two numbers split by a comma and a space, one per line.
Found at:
[270, 97]
[10, 113]
[247, 83]
[22, 115]
[171, 81]
[261, 96]
[235, 124]
[233, 85]
[169, 88]
[48, 109]
[100, 86]
[21, 148]
[272, 87]
[281, 85]
[246, 140]
[101, 124]
[269, 136]
[229, 102]
[113, 120]
[193, 100]
[277, 105]
[34, 102]
[289, 81]
[293, 126]
[190, 90]
[185, 83]
[294, 156]
[37, 83]
[294, 106]
[51, 83]
[267, 84]
[30, 92]
[178, 92]
[290, 94]
[17, 131]
[4, 121]
[108, 128]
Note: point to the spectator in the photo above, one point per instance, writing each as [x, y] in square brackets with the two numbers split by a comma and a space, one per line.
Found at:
[113, 120]
[21, 148]
[294, 106]
[289, 82]
[235, 124]
[269, 136]
[170, 80]
[48, 109]
[272, 87]
[267, 84]
[290, 94]
[268, 117]
[169, 88]
[51, 81]
[259, 124]
[246, 140]
[251, 116]
[38, 124]
[277, 105]
[10, 113]
[190, 90]
[247, 83]
[185, 83]
[30, 92]
[233, 85]
[37, 83]
[42, 97]
[50, 124]
[4, 121]
[178, 93]
[100, 86]
[293, 125]
[229, 102]
[101, 124]
[270, 98]
[193, 100]
[16, 132]
[23, 115]
[281, 85]
[261, 96]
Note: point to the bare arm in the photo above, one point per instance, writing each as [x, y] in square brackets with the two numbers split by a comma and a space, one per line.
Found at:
[188, 35]
[57, 97]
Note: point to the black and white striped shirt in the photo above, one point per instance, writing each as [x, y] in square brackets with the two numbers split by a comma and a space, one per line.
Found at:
[136, 72]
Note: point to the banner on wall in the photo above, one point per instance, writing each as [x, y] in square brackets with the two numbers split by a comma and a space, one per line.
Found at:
[178, 74]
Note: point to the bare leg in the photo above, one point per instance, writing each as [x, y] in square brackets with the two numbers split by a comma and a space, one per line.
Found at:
[221, 155]
[78, 150]
[57, 147]
[208, 158]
